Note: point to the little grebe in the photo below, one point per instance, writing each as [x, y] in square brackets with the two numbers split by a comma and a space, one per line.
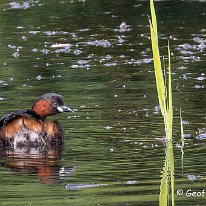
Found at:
[30, 127]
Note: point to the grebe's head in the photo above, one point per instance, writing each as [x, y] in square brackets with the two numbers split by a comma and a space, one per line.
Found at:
[50, 104]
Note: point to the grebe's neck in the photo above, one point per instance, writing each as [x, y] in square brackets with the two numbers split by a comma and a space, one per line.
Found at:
[43, 108]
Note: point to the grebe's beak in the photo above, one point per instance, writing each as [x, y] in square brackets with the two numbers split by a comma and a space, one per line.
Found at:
[64, 108]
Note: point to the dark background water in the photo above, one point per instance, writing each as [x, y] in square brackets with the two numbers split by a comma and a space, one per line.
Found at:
[112, 154]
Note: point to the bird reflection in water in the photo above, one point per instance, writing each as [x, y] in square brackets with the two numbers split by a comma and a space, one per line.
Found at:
[43, 162]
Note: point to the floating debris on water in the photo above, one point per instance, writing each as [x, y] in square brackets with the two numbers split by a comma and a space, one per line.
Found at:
[39, 77]
[82, 186]
[16, 5]
[64, 171]
[16, 54]
[120, 39]
[186, 46]
[199, 86]
[191, 51]
[2, 82]
[57, 76]
[185, 122]
[163, 140]
[105, 58]
[60, 45]
[192, 177]
[52, 33]
[201, 137]
[11, 79]
[131, 182]
[201, 134]
[157, 109]
[26, 85]
[199, 40]
[101, 43]
[34, 32]
[82, 62]
[123, 27]
[12, 46]
[34, 50]
[24, 38]
[110, 64]
[63, 50]
[112, 149]
[45, 51]
[108, 127]
[77, 52]
[200, 78]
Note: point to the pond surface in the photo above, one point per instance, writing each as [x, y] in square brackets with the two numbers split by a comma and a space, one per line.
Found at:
[97, 55]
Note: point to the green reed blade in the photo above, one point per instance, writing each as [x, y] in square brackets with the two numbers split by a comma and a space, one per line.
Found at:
[153, 15]
[163, 197]
[165, 101]
[169, 97]
[182, 137]
[158, 71]
[157, 62]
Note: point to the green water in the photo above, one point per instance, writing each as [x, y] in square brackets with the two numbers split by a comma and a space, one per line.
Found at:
[112, 153]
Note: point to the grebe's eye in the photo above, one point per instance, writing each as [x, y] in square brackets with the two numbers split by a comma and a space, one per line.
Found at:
[55, 104]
